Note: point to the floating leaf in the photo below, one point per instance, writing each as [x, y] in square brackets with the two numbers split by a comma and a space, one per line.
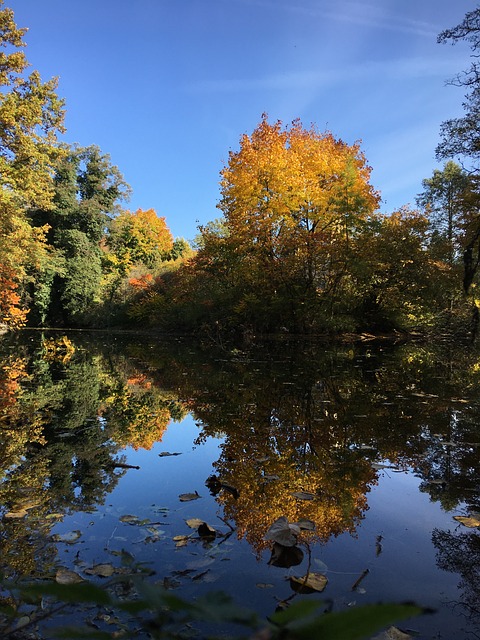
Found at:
[164, 454]
[133, 520]
[201, 563]
[20, 513]
[102, 570]
[186, 497]
[264, 585]
[285, 557]
[379, 465]
[69, 538]
[194, 523]
[171, 583]
[181, 541]
[65, 576]
[306, 525]
[309, 583]
[393, 633]
[304, 495]
[468, 521]
[321, 565]
[283, 533]
[206, 531]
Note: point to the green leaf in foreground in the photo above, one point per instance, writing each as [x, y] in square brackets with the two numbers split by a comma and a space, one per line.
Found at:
[82, 592]
[354, 624]
[81, 633]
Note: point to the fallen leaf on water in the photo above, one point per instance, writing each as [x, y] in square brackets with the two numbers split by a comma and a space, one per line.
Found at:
[201, 563]
[133, 520]
[264, 585]
[303, 495]
[156, 534]
[392, 633]
[305, 524]
[283, 533]
[20, 513]
[22, 622]
[186, 497]
[468, 521]
[321, 565]
[181, 541]
[206, 531]
[309, 583]
[65, 576]
[70, 538]
[21, 509]
[164, 454]
[285, 557]
[379, 465]
[102, 570]
[171, 583]
[194, 523]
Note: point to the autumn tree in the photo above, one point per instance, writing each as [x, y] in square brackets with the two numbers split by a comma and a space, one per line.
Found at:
[31, 115]
[294, 200]
[141, 237]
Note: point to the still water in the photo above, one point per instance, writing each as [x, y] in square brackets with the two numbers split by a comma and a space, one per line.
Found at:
[116, 447]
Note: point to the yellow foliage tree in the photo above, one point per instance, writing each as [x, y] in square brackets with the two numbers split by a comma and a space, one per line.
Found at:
[294, 200]
[31, 115]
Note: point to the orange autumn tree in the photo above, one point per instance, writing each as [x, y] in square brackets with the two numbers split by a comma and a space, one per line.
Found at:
[294, 201]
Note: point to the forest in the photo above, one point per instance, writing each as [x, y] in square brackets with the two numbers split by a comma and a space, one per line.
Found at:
[300, 245]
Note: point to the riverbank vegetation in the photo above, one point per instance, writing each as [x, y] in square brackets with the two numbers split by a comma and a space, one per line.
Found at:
[300, 247]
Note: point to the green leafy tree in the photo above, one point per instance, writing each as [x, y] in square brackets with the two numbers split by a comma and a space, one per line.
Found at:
[88, 189]
[460, 138]
[442, 199]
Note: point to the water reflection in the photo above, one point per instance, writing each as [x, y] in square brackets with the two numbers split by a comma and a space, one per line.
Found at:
[66, 415]
[305, 430]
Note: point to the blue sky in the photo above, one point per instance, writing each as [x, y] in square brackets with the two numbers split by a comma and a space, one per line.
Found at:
[167, 87]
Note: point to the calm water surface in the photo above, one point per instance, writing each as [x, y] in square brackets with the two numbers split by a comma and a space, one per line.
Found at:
[376, 446]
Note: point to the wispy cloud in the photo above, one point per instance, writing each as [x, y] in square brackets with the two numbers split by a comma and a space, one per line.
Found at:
[373, 16]
[400, 69]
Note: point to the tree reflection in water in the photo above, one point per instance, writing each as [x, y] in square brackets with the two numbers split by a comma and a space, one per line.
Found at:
[303, 427]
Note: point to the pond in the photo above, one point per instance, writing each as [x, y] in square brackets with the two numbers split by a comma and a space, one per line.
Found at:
[134, 453]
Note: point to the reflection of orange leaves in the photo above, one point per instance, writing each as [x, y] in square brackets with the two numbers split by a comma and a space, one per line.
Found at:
[140, 381]
[10, 376]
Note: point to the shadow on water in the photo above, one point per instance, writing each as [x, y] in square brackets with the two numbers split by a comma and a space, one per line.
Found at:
[309, 432]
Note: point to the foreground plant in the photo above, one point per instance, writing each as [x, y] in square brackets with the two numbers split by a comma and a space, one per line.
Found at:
[147, 610]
